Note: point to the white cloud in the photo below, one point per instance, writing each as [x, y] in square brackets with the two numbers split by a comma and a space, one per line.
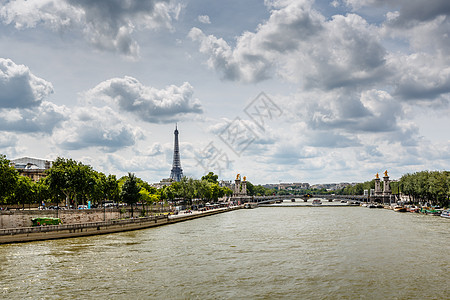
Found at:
[243, 127]
[8, 140]
[108, 25]
[298, 43]
[56, 15]
[19, 87]
[345, 51]
[41, 119]
[9, 145]
[347, 111]
[139, 163]
[154, 150]
[148, 103]
[204, 19]
[335, 3]
[409, 12]
[22, 104]
[422, 76]
[96, 127]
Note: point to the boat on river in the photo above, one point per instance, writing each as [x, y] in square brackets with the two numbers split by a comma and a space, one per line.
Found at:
[445, 213]
[434, 211]
[250, 205]
[413, 209]
[316, 202]
[399, 209]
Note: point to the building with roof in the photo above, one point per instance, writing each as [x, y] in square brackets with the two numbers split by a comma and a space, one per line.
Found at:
[33, 168]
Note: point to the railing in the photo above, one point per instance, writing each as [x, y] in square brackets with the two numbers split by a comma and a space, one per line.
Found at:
[50, 228]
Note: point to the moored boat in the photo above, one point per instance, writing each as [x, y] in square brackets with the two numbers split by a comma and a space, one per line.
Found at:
[316, 202]
[431, 211]
[445, 213]
[250, 205]
[413, 209]
[400, 209]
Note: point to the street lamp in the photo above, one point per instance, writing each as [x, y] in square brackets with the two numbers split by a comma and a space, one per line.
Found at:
[104, 209]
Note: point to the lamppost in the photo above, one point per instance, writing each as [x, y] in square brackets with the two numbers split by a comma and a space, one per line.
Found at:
[104, 209]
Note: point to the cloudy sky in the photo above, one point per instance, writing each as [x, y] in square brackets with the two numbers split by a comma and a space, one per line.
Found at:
[277, 90]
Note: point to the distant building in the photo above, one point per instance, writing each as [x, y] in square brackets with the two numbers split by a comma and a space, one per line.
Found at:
[33, 168]
[163, 182]
[293, 186]
[226, 183]
[332, 186]
[270, 185]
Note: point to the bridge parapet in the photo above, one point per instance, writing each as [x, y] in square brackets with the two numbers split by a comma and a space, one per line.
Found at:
[269, 199]
[343, 197]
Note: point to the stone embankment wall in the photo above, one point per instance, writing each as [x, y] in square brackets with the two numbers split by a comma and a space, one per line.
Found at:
[39, 233]
[28, 234]
[22, 218]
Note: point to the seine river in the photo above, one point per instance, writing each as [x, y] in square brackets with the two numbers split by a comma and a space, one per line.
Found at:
[263, 253]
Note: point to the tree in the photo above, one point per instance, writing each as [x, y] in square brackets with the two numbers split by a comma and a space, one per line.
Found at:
[42, 193]
[227, 191]
[111, 188]
[202, 189]
[168, 192]
[216, 191]
[71, 178]
[250, 189]
[187, 188]
[24, 191]
[130, 191]
[211, 177]
[8, 179]
[97, 187]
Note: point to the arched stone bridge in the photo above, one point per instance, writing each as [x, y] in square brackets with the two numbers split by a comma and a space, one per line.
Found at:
[272, 199]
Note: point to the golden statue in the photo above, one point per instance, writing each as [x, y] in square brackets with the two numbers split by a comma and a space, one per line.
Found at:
[385, 174]
[245, 178]
[377, 176]
[238, 177]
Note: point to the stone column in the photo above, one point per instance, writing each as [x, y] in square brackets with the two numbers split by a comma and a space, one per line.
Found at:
[386, 186]
[377, 187]
[244, 188]
[237, 187]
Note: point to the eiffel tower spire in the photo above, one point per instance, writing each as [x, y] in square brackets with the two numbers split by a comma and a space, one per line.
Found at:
[177, 173]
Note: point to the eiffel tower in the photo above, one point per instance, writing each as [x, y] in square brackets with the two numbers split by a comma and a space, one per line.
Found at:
[177, 173]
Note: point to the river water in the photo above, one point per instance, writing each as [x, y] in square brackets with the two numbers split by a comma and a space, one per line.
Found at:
[263, 253]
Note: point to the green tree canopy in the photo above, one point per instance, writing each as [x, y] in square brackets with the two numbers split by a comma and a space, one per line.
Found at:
[111, 188]
[70, 178]
[24, 192]
[8, 179]
[210, 177]
[130, 190]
